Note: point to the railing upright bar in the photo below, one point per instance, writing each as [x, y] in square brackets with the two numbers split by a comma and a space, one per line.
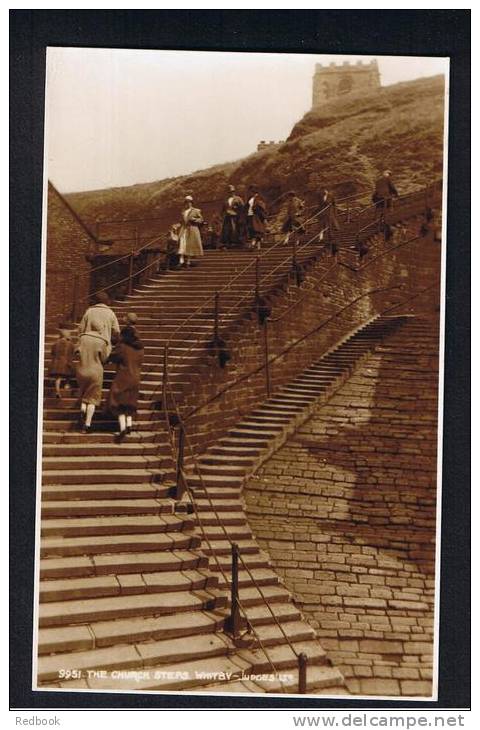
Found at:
[267, 359]
[233, 623]
[216, 313]
[130, 271]
[302, 673]
[257, 284]
[180, 479]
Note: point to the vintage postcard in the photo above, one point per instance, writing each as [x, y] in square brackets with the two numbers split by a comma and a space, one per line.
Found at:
[241, 374]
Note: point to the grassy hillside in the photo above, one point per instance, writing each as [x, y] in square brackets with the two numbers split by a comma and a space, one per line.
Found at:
[344, 145]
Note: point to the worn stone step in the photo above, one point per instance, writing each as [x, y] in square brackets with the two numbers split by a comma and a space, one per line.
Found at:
[64, 613]
[109, 463]
[76, 527]
[121, 563]
[224, 547]
[61, 508]
[102, 491]
[106, 450]
[222, 518]
[180, 676]
[128, 631]
[98, 439]
[321, 679]
[152, 653]
[98, 544]
[284, 656]
[127, 584]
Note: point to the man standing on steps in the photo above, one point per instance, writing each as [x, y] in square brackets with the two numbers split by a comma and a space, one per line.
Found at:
[385, 190]
[232, 211]
[97, 330]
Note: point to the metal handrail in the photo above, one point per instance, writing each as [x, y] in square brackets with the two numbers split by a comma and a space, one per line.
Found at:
[222, 526]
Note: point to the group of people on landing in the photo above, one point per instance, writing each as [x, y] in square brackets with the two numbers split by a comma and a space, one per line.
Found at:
[100, 341]
[242, 223]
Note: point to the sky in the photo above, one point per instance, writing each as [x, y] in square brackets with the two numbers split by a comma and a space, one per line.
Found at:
[119, 116]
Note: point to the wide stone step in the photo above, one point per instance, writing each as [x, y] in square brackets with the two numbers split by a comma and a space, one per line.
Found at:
[113, 525]
[224, 518]
[116, 462]
[108, 449]
[128, 631]
[224, 547]
[101, 507]
[121, 563]
[97, 439]
[99, 490]
[178, 676]
[100, 476]
[98, 544]
[64, 613]
[227, 459]
[262, 615]
[153, 653]
[127, 584]
[285, 656]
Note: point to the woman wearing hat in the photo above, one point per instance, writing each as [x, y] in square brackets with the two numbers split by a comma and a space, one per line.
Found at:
[123, 396]
[98, 328]
[190, 240]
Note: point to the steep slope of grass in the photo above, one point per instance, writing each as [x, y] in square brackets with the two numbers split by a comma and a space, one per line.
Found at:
[345, 144]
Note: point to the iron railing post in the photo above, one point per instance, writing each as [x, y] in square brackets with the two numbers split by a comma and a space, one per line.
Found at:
[215, 315]
[165, 378]
[234, 621]
[75, 299]
[180, 480]
[267, 365]
[257, 285]
[302, 673]
[130, 271]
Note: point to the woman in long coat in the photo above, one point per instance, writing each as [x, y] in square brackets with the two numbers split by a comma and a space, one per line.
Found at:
[98, 328]
[123, 396]
[190, 240]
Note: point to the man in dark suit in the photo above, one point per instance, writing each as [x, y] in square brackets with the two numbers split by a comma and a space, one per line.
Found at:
[385, 190]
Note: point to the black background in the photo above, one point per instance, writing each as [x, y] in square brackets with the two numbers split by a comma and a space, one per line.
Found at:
[363, 32]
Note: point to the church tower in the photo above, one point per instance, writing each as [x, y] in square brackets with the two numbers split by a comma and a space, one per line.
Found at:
[330, 82]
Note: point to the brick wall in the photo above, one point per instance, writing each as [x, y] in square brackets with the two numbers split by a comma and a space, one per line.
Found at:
[346, 510]
[68, 243]
[325, 290]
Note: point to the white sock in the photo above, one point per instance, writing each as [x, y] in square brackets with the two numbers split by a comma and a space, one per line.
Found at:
[83, 407]
[181, 259]
[122, 422]
[129, 422]
[90, 412]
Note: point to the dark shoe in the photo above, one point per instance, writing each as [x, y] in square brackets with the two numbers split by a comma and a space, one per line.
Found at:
[128, 430]
[85, 428]
[121, 436]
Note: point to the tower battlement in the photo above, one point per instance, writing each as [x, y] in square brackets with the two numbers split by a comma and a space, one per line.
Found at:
[333, 80]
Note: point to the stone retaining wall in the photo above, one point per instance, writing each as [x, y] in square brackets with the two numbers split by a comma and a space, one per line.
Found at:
[346, 510]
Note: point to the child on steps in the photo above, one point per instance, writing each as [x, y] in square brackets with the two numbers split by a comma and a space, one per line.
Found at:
[61, 367]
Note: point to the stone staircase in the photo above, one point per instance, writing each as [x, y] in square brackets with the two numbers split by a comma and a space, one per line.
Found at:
[126, 576]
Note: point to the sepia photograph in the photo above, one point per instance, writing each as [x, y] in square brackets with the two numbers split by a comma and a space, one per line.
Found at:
[241, 374]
